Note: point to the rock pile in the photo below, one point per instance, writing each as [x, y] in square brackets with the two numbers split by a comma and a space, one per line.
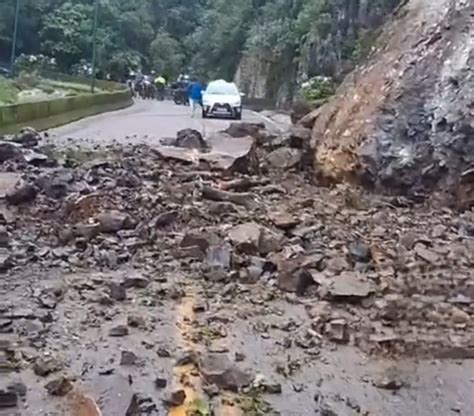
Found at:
[377, 272]
[403, 121]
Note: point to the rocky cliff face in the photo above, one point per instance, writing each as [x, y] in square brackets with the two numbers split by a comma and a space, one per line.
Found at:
[349, 32]
[342, 34]
[405, 121]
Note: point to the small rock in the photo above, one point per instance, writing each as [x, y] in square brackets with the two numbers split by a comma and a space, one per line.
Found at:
[87, 231]
[117, 292]
[293, 276]
[6, 260]
[118, 331]
[160, 383]
[269, 241]
[260, 382]
[254, 273]
[337, 265]
[9, 151]
[388, 383]
[239, 357]
[300, 137]
[163, 352]
[216, 274]
[298, 388]
[284, 158]
[348, 286]
[175, 398]
[21, 194]
[408, 240]
[165, 219]
[459, 317]
[299, 109]
[360, 252]
[136, 321]
[44, 366]
[28, 137]
[218, 369]
[60, 386]
[4, 237]
[193, 252]
[211, 390]
[113, 221]
[187, 358]
[425, 254]
[283, 220]
[37, 159]
[337, 331]
[200, 239]
[136, 282]
[246, 237]
[128, 358]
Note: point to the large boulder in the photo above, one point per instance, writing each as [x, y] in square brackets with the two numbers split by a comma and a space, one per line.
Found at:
[245, 129]
[190, 139]
[404, 121]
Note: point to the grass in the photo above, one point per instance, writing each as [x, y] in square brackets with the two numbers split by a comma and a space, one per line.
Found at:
[23, 90]
[252, 404]
[8, 91]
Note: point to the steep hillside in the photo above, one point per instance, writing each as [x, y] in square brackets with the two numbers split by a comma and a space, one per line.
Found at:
[405, 121]
[290, 41]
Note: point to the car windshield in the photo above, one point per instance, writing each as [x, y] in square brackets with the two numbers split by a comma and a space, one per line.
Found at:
[222, 88]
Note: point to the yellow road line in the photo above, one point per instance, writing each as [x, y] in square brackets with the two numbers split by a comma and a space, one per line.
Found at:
[185, 378]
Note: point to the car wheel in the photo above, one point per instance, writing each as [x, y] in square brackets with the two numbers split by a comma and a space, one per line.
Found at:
[238, 116]
[204, 114]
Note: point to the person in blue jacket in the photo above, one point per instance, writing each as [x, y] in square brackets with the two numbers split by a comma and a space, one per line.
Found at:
[195, 95]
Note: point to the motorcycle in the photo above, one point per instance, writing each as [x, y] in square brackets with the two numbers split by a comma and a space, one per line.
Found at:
[180, 97]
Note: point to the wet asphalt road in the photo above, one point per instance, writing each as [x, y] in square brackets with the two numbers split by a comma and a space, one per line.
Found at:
[144, 122]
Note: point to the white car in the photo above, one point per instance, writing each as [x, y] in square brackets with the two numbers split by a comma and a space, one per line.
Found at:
[222, 99]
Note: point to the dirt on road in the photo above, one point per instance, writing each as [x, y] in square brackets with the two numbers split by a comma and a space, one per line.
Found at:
[137, 280]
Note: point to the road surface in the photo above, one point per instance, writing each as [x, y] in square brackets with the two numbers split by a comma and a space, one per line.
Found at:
[145, 122]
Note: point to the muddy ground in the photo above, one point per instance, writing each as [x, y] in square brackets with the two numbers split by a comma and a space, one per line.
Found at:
[184, 280]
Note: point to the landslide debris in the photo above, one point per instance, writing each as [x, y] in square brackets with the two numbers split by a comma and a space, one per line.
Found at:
[404, 122]
[138, 229]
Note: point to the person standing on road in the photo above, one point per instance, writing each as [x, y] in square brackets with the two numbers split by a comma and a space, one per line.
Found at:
[195, 95]
[160, 83]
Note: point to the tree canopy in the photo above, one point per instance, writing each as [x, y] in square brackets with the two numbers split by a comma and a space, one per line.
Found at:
[207, 37]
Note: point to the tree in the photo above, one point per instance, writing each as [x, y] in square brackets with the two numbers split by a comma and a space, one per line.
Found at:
[66, 33]
[166, 55]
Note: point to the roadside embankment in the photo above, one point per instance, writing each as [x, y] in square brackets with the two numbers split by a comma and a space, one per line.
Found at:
[54, 112]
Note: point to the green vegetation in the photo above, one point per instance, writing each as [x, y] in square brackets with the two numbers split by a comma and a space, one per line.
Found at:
[29, 87]
[8, 91]
[252, 404]
[317, 88]
[293, 38]
[199, 407]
